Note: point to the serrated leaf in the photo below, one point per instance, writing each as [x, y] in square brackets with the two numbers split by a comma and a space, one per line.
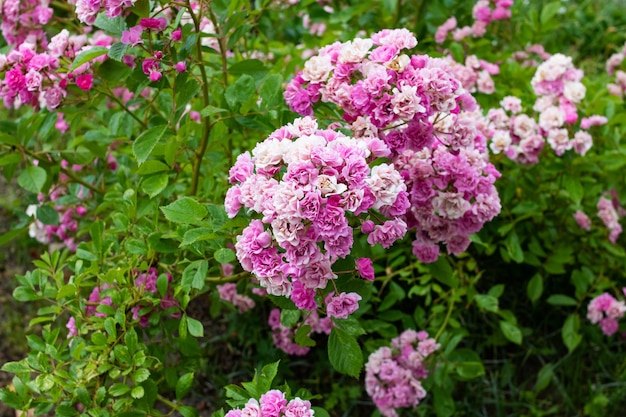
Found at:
[88, 55]
[137, 392]
[117, 51]
[154, 184]
[113, 25]
[271, 90]
[195, 235]
[344, 353]
[32, 179]
[152, 166]
[240, 92]
[145, 143]
[302, 336]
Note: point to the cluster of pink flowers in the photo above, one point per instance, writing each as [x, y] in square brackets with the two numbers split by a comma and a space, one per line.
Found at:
[484, 13]
[283, 336]
[608, 213]
[613, 65]
[65, 230]
[274, 404]
[526, 58]
[521, 137]
[475, 74]
[420, 109]
[24, 19]
[308, 184]
[39, 77]
[605, 311]
[145, 282]
[87, 10]
[393, 375]
[154, 65]
[228, 292]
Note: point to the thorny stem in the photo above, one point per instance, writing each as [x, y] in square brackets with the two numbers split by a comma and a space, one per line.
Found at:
[206, 126]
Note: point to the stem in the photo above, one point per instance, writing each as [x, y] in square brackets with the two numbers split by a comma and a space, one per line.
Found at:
[206, 126]
[448, 314]
[80, 181]
[167, 402]
[126, 109]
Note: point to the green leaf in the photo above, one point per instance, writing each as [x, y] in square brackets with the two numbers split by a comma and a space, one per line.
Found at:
[271, 90]
[32, 179]
[113, 25]
[442, 272]
[88, 55]
[549, 11]
[351, 326]
[486, 302]
[396, 293]
[467, 363]
[344, 353]
[224, 255]
[154, 184]
[137, 392]
[145, 143]
[10, 159]
[302, 336]
[196, 329]
[545, 375]
[187, 411]
[561, 300]
[574, 189]
[117, 51]
[119, 389]
[152, 166]
[534, 289]
[47, 215]
[240, 92]
[514, 248]
[248, 66]
[289, 318]
[511, 332]
[195, 235]
[183, 385]
[443, 402]
[141, 375]
[569, 332]
[209, 111]
[185, 210]
[25, 294]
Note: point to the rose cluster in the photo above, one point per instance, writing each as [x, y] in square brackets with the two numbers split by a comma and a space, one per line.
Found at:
[307, 185]
[39, 76]
[484, 13]
[613, 65]
[609, 213]
[393, 374]
[274, 403]
[24, 19]
[228, 292]
[521, 137]
[475, 74]
[605, 311]
[87, 10]
[418, 107]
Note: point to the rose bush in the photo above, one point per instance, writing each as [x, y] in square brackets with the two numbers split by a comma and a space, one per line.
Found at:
[212, 186]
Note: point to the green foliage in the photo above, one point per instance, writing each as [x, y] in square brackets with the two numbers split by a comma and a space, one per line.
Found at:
[509, 314]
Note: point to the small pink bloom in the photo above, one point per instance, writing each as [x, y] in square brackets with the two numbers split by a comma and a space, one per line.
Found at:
[84, 82]
[365, 268]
